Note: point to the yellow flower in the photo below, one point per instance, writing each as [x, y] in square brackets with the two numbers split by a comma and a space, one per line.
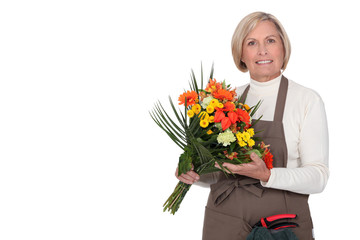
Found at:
[204, 123]
[251, 142]
[210, 109]
[242, 143]
[196, 108]
[251, 132]
[209, 132]
[214, 102]
[246, 136]
[239, 136]
[247, 108]
[190, 113]
[204, 116]
[211, 119]
[220, 105]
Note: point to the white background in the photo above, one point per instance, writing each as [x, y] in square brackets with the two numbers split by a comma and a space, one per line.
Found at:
[80, 157]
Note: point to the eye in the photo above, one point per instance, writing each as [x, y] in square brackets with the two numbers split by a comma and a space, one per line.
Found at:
[270, 40]
[251, 43]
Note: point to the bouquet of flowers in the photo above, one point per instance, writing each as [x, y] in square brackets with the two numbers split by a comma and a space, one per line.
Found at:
[215, 127]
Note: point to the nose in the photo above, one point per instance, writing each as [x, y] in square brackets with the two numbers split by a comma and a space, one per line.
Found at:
[262, 50]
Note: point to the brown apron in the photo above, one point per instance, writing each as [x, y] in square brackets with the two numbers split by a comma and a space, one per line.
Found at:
[237, 203]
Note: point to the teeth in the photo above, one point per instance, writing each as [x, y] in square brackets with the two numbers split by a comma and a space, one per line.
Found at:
[265, 61]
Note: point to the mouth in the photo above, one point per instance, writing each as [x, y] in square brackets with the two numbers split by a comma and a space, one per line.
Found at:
[264, 62]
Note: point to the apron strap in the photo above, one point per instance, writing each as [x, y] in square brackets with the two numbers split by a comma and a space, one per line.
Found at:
[222, 189]
[244, 95]
[281, 98]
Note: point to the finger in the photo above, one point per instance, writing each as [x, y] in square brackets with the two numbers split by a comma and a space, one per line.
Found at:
[194, 175]
[255, 157]
[232, 167]
[217, 165]
[189, 179]
[220, 167]
[224, 167]
[184, 180]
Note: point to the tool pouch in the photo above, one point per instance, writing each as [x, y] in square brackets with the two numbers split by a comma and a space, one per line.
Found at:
[261, 233]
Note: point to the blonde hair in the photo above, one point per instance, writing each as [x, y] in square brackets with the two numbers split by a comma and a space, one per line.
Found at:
[246, 25]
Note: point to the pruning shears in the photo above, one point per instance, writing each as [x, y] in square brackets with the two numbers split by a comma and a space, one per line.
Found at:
[271, 222]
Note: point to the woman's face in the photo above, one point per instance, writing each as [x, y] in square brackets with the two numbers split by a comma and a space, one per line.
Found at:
[263, 52]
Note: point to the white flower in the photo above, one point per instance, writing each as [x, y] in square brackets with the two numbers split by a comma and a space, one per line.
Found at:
[226, 138]
[206, 101]
[218, 125]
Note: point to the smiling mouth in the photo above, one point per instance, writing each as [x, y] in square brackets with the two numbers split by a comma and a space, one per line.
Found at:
[264, 62]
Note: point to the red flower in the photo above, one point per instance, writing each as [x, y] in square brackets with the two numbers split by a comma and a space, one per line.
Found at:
[219, 115]
[268, 159]
[225, 123]
[233, 117]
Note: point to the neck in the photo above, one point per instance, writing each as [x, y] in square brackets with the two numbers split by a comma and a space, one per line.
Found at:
[264, 78]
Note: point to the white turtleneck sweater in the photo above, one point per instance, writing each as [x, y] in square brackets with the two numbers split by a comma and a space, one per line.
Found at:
[306, 135]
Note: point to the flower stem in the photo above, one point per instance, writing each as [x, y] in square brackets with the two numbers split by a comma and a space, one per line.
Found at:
[172, 204]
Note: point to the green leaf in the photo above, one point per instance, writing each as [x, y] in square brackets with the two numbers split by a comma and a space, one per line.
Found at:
[232, 146]
[255, 151]
[202, 77]
[255, 108]
[193, 84]
[212, 71]
[185, 161]
[181, 120]
[172, 136]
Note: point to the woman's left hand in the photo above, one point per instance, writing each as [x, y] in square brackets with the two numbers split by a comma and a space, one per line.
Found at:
[255, 169]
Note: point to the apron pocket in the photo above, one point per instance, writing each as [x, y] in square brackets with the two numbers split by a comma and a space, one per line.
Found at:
[304, 231]
[221, 226]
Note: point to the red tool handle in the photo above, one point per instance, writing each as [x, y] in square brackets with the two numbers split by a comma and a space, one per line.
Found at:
[285, 226]
[280, 216]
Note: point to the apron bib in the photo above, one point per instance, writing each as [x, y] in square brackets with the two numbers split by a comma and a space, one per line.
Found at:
[235, 204]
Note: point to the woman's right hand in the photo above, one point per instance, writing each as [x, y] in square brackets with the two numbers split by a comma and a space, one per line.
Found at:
[189, 178]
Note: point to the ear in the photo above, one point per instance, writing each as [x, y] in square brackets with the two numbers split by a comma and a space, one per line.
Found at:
[242, 63]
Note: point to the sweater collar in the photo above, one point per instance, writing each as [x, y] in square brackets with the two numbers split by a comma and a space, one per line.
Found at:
[265, 88]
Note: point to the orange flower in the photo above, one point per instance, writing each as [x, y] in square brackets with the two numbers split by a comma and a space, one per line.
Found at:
[213, 86]
[229, 106]
[191, 97]
[267, 156]
[231, 156]
[268, 159]
[243, 116]
[222, 94]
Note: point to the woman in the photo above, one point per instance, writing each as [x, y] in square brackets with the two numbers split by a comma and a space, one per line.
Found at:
[295, 126]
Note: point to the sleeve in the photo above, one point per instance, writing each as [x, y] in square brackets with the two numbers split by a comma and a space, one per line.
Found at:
[313, 173]
[207, 179]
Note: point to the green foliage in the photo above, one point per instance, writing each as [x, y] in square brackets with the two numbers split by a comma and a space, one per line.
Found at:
[185, 161]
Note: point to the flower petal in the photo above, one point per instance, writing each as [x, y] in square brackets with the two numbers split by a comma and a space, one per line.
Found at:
[219, 115]
[225, 123]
